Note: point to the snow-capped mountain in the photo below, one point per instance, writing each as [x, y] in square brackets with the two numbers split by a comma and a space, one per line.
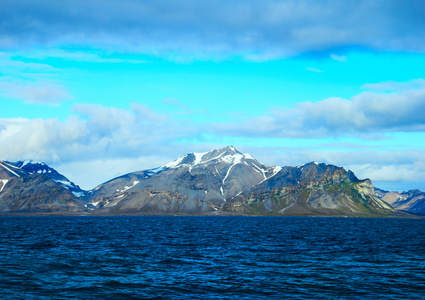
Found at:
[195, 182]
[227, 181]
[22, 191]
[36, 167]
[221, 181]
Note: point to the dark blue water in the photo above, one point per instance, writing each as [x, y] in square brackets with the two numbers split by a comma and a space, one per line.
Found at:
[211, 257]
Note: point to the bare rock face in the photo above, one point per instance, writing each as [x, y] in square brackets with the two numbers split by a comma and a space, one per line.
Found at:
[227, 181]
[312, 190]
[412, 201]
[221, 181]
[194, 183]
[24, 192]
[36, 167]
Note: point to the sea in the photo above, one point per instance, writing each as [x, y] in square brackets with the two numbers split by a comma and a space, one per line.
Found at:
[211, 257]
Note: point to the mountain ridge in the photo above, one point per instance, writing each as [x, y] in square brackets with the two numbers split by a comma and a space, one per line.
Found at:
[217, 182]
[23, 192]
[230, 182]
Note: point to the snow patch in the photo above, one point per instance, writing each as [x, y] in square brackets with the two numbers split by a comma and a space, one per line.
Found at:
[32, 162]
[9, 170]
[198, 157]
[156, 170]
[12, 166]
[78, 194]
[248, 156]
[232, 159]
[4, 181]
[26, 162]
[129, 187]
[228, 172]
[175, 163]
[276, 170]
[67, 184]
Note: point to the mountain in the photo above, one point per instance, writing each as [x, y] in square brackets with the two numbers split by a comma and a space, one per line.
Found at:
[36, 167]
[193, 183]
[22, 191]
[412, 201]
[225, 181]
[313, 189]
[220, 182]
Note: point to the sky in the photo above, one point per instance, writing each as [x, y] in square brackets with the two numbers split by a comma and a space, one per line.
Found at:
[97, 89]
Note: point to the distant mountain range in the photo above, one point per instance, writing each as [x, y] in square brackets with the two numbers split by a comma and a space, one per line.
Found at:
[219, 182]
[412, 201]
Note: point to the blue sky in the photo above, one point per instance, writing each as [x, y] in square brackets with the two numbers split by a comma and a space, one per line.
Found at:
[101, 88]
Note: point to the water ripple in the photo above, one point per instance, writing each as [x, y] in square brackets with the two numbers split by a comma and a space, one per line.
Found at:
[211, 257]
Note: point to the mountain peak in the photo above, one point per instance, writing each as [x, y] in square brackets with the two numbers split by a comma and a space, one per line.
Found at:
[227, 154]
[23, 163]
[41, 168]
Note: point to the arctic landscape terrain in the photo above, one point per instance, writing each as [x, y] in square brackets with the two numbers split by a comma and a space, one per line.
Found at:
[219, 182]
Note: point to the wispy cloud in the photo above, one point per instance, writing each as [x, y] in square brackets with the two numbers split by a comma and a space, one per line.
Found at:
[340, 58]
[37, 92]
[393, 86]
[76, 55]
[314, 70]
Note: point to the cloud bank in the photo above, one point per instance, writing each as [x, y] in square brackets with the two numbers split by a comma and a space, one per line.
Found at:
[253, 29]
[370, 112]
[94, 132]
[96, 135]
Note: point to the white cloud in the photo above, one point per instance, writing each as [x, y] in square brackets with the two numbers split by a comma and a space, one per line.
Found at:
[366, 113]
[94, 132]
[97, 138]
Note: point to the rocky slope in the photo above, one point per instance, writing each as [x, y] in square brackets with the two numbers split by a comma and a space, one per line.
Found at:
[412, 201]
[226, 181]
[314, 190]
[25, 192]
[221, 181]
[35, 167]
[193, 183]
